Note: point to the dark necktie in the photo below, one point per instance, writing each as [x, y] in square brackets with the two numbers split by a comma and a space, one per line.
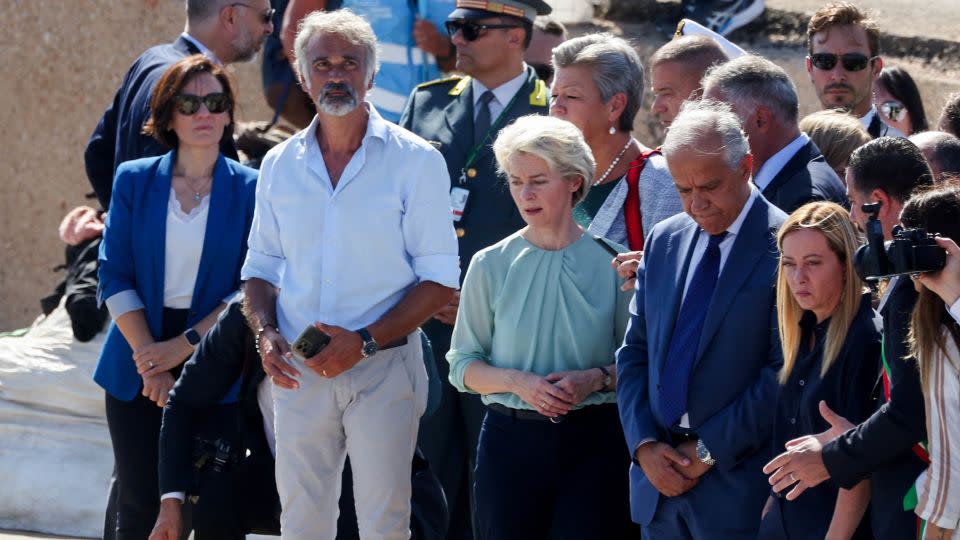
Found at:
[482, 125]
[876, 126]
[686, 334]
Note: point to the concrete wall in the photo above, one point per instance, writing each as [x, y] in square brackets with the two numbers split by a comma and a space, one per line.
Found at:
[61, 62]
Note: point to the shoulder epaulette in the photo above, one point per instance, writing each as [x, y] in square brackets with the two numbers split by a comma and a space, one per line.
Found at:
[538, 98]
[460, 87]
[440, 81]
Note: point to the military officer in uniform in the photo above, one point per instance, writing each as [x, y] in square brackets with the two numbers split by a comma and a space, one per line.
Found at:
[461, 116]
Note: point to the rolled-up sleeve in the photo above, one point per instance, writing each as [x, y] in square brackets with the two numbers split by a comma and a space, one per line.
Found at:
[123, 302]
[427, 226]
[473, 332]
[265, 258]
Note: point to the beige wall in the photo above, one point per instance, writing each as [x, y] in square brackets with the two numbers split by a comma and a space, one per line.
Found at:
[61, 62]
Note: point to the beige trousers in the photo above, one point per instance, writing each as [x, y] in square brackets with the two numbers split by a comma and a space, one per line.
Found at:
[370, 413]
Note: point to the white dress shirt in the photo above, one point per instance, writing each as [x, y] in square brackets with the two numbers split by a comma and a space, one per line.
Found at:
[772, 167]
[890, 131]
[346, 255]
[501, 94]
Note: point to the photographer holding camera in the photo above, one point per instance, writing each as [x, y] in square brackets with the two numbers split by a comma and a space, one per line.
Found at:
[884, 447]
[934, 342]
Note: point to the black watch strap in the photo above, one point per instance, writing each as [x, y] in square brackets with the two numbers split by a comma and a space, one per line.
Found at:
[367, 338]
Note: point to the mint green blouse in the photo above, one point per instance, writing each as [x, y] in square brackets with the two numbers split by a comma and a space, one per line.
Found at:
[530, 309]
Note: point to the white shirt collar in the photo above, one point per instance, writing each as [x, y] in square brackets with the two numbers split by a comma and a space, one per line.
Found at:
[866, 119]
[203, 48]
[376, 127]
[772, 167]
[503, 93]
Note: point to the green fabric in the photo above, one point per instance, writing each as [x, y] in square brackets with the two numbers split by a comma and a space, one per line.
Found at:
[584, 212]
[525, 308]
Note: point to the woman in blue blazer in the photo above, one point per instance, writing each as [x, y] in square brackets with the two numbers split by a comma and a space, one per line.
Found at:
[174, 241]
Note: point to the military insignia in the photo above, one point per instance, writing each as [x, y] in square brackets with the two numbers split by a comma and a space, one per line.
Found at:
[439, 81]
[460, 87]
[436, 144]
[538, 98]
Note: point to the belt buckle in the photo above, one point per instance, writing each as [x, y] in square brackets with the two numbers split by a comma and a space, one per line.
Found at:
[555, 419]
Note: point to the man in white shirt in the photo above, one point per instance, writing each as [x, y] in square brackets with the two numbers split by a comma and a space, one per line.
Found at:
[351, 234]
[844, 60]
[787, 166]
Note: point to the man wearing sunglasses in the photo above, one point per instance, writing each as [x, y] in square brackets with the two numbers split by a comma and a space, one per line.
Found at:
[226, 30]
[843, 61]
[461, 116]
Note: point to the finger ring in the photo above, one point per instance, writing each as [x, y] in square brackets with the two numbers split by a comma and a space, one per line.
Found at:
[793, 478]
[543, 403]
[151, 364]
[323, 372]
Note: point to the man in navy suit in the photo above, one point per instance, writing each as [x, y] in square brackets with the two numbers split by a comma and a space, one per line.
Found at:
[225, 30]
[697, 371]
[787, 166]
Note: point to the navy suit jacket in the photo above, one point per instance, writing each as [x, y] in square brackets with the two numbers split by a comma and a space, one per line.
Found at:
[132, 253]
[732, 392]
[117, 137]
[805, 178]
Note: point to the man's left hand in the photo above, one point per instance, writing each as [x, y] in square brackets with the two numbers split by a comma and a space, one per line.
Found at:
[696, 468]
[342, 353]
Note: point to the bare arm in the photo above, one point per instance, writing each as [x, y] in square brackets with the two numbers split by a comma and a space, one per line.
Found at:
[158, 357]
[545, 397]
[848, 511]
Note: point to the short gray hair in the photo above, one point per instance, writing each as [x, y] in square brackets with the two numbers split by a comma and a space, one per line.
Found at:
[201, 10]
[616, 68]
[699, 120]
[557, 142]
[750, 81]
[342, 23]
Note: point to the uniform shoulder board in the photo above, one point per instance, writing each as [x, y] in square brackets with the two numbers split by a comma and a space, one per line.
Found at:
[538, 98]
[440, 81]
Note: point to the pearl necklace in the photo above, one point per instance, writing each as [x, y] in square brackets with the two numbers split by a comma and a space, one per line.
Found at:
[614, 163]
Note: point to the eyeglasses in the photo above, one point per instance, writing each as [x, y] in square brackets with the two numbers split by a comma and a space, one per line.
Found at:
[189, 104]
[850, 61]
[471, 30]
[893, 110]
[544, 71]
[266, 17]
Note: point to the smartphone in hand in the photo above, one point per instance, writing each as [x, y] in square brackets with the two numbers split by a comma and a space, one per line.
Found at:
[310, 342]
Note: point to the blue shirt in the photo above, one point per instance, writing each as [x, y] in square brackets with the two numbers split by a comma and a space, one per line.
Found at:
[345, 255]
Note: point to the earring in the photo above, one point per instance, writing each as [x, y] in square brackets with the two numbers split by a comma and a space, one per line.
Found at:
[613, 130]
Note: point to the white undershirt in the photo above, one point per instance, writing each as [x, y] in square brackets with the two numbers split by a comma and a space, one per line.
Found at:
[184, 243]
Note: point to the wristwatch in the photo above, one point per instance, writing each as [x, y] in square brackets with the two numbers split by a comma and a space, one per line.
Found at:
[370, 345]
[193, 338]
[607, 380]
[703, 454]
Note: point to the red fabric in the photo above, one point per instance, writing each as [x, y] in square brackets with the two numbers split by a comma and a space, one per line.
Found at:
[631, 206]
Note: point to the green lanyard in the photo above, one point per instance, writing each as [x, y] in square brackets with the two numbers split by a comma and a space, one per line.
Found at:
[475, 151]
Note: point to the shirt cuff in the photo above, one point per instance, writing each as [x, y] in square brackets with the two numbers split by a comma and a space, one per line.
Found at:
[123, 302]
[179, 495]
[442, 269]
[955, 310]
[260, 266]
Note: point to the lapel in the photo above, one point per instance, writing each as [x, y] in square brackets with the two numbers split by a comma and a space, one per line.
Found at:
[796, 164]
[680, 248]
[222, 205]
[458, 115]
[155, 208]
[748, 247]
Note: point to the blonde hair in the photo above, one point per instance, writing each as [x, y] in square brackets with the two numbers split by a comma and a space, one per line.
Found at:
[837, 134]
[557, 142]
[833, 222]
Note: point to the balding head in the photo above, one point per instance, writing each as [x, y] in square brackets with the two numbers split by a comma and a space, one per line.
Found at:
[676, 70]
[942, 151]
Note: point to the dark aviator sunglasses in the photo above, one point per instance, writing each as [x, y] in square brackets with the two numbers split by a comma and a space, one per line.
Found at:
[471, 30]
[266, 17]
[850, 61]
[189, 104]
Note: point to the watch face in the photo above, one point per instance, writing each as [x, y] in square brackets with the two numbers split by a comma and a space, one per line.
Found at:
[370, 348]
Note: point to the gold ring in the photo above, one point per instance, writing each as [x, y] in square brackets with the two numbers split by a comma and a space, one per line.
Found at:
[151, 364]
[323, 372]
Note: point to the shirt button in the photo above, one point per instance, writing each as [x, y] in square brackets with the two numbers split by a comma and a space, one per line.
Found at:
[461, 233]
[793, 420]
[802, 382]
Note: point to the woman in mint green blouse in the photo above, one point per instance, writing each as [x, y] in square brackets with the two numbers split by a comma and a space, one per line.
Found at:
[541, 316]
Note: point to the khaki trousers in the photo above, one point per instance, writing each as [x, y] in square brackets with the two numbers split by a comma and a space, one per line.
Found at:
[370, 413]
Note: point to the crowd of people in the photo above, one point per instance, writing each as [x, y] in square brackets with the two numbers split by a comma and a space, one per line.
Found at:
[476, 307]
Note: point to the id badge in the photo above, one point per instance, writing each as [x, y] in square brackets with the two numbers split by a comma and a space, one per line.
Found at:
[458, 201]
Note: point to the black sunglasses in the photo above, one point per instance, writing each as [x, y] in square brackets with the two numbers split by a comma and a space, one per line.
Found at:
[544, 71]
[850, 61]
[893, 110]
[471, 30]
[266, 17]
[189, 104]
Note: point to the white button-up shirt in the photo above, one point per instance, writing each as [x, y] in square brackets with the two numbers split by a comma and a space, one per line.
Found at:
[347, 255]
[772, 167]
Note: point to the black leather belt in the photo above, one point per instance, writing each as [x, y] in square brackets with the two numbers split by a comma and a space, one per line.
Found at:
[681, 435]
[523, 414]
[394, 344]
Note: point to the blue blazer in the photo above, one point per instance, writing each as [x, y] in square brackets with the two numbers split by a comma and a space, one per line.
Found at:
[732, 392]
[132, 253]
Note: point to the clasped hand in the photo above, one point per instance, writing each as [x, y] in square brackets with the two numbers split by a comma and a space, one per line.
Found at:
[673, 471]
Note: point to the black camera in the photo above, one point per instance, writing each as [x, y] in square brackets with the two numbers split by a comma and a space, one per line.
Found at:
[912, 251]
[216, 455]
